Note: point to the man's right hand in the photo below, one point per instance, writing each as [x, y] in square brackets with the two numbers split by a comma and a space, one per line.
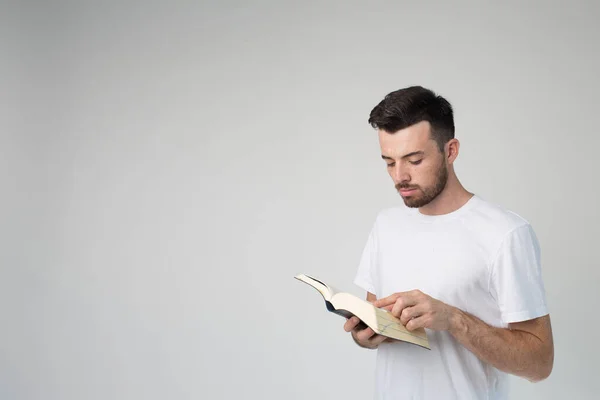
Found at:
[363, 336]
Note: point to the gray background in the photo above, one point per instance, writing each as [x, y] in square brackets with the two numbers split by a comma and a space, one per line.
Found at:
[166, 170]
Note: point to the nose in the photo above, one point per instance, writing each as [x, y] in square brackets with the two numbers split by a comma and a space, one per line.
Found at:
[399, 174]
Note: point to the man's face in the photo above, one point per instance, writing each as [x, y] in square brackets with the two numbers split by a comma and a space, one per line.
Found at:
[415, 163]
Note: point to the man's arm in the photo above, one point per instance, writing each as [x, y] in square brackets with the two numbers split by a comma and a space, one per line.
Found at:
[524, 349]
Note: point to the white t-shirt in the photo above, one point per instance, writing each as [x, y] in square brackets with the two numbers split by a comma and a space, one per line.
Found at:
[482, 259]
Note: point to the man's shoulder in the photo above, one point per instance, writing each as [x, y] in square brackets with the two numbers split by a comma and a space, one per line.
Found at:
[490, 224]
[497, 217]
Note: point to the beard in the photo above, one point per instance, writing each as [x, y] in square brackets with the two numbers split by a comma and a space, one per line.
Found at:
[428, 194]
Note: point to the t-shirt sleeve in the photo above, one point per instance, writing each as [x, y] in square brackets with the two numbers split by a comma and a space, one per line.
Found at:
[516, 277]
[365, 275]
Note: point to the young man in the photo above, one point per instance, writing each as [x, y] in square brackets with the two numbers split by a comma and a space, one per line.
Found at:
[463, 268]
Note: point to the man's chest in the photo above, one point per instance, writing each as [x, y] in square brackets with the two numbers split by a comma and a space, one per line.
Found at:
[450, 265]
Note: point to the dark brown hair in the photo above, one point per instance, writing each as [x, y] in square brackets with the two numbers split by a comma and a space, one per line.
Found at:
[405, 107]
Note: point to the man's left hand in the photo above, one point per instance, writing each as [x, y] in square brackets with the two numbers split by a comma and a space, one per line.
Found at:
[416, 309]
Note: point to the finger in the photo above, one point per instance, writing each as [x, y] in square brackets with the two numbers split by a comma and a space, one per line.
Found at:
[391, 299]
[378, 339]
[412, 312]
[419, 322]
[351, 323]
[385, 301]
[406, 300]
[364, 334]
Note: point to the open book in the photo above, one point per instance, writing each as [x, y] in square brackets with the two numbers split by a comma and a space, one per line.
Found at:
[378, 319]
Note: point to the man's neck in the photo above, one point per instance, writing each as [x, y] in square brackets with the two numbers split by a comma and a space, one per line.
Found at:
[453, 197]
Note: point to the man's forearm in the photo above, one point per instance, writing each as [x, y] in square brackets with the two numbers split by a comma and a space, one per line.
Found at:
[517, 352]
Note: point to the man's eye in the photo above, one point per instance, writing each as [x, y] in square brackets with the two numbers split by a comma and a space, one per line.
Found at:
[416, 162]
[391, 165]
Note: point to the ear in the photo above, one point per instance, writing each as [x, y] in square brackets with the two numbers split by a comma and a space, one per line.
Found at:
[451, 149]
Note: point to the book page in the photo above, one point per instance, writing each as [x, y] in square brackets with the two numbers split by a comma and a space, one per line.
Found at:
[324, 289]
[390, 326]
[379, 319]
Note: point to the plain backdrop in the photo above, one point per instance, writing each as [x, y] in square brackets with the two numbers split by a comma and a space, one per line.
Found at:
[167, 168]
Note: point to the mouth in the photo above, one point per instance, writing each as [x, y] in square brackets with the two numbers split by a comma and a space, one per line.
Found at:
[407, 192]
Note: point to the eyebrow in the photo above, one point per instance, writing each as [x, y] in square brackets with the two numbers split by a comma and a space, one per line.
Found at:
[414, 153]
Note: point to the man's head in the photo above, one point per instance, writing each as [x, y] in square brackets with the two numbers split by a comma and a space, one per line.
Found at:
[416, 135]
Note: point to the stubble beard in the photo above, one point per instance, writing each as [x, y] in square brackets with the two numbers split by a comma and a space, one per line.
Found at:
[428, 194]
